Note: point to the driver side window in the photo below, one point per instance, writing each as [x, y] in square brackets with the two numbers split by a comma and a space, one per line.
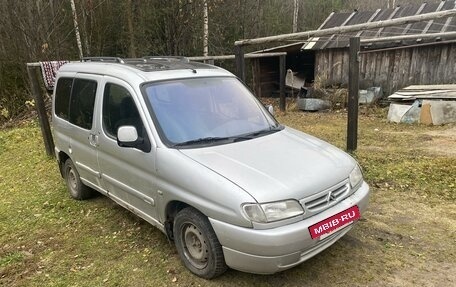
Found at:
[119, 109]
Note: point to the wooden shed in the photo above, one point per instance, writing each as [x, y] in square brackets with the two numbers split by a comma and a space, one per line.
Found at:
[391, 64]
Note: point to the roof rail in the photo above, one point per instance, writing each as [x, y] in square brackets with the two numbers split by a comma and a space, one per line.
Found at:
[143, 59]
[103, 59]
[168, 58]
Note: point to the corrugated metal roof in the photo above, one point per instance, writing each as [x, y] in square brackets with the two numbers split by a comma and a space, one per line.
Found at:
[360, 17]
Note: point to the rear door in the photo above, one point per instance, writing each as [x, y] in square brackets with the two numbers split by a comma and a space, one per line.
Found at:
[83, 128]
[128, 173]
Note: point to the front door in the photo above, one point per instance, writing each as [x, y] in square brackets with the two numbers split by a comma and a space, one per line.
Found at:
[128, 173]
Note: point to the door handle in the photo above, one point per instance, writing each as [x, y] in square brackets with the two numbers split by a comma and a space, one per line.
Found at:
[93, 140]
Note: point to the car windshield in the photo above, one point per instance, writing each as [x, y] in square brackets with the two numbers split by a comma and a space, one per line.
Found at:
[207, 111]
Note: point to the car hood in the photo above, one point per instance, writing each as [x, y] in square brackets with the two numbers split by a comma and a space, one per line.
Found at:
[285, 165]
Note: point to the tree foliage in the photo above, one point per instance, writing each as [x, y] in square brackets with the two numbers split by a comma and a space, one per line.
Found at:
[40, 30]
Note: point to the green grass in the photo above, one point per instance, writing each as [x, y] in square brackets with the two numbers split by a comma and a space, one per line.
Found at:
[407, 237]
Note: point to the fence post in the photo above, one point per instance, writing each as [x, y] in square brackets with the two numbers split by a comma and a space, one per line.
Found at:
[240, 62]
[41, 110]
[353, 91]
[282, 64]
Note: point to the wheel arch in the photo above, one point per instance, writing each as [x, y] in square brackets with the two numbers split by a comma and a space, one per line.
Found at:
[171, 210]
[62, 158]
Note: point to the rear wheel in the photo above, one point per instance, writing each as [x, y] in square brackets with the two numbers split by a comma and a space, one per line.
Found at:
[74, 184]
[197, 244]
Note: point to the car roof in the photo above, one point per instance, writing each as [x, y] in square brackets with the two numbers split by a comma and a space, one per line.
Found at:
[144, 69]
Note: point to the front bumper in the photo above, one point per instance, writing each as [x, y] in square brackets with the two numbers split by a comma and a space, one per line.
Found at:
[272, 250]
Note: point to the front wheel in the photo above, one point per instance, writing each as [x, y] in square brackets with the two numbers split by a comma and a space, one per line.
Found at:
[197, 244]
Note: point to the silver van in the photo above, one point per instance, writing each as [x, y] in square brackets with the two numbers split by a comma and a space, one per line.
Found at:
[188, 148]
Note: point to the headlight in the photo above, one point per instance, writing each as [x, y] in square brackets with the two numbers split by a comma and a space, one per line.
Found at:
[356, 177]
[269, 212]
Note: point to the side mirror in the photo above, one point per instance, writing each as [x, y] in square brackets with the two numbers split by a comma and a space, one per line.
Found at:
[127, 136]
[271, 109]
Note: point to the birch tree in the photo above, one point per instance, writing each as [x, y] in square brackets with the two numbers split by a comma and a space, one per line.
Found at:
[295, 16]
[76, 28]
[205, 29]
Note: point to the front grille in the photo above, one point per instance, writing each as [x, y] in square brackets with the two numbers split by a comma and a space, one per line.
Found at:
[326, 198]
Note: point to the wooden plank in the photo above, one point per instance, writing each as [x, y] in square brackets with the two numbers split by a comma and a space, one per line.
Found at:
[41, 110]
[389, 86]
[402, 69]
[385, 63]
[442, 58]
[397, 69]
[362, 66]
[436, 51]
[340, 65]
[441, 96]
[232, 57]
[453, 70]
[446, 35]
[341, 71]
[371, 67]
[374, 66]
[407, 67]
[409, 46]
[447, 74]
[347, 29]
[450, 70]
[415, 66]
[346, 66]
[367, 66]
[327, 75]
[428, 66]
[321, 64]
[317, 64]
[331, 66]
[433, 63]
[378, 68]
[396, 75]
[443, 63]
[421, 66]
[353, 91]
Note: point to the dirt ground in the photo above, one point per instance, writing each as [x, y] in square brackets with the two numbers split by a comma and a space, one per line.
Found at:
[443, 141]
[420, 237]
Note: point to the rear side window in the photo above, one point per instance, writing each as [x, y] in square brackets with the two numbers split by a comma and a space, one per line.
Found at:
[62, 97]
[119, 109]
[82, 103]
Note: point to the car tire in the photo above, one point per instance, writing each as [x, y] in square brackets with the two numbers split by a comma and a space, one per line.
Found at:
[197, 244]
[76, 188]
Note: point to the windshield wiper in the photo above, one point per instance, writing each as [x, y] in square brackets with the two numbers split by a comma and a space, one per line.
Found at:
[205, 140]
[249, 136]
[267, 131]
